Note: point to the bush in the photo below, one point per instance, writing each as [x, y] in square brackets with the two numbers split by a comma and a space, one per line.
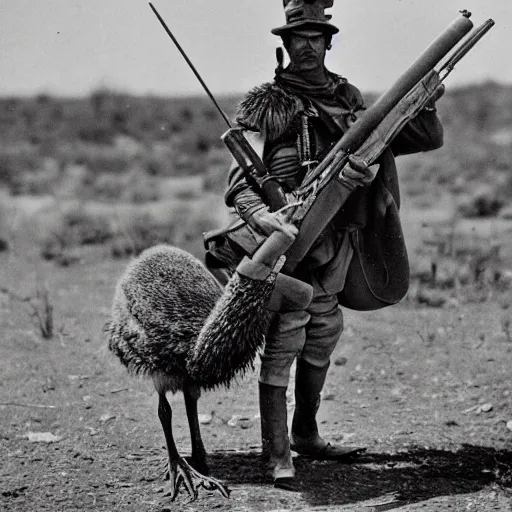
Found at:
[141, 232]
[102, 159]
[76, 227]
[97, 132]
[108, 186]
[86, 227]
[484, 203]
[142, 191]
[16, 163]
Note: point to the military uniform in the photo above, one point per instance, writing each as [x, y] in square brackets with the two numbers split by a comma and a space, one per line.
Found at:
[299, 122]
[305, 133]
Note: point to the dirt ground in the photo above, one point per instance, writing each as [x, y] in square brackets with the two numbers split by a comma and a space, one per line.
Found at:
[426, 390]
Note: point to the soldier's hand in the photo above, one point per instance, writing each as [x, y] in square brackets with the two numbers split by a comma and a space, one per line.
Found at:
[266, 222]
[357, 172]
[431, 104]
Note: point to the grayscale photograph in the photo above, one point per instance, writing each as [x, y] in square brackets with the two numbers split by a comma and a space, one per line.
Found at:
[256, 256]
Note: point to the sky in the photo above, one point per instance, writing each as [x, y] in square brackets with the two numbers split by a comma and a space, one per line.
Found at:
[70, 48]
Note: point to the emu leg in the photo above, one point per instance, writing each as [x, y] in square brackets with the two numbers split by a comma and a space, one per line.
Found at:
[192, 394]
[179, 470]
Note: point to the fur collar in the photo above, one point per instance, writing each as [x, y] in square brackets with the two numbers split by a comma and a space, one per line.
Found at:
[269, 109]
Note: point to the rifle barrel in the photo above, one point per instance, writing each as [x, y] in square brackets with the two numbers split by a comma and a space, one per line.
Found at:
[465, 47]
[191, 66]
[369, 120]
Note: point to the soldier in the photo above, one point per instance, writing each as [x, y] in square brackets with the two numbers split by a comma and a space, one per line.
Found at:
[299, 115]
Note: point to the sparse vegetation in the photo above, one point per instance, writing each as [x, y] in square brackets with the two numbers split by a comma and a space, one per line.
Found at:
[116, 148]
[425, 385]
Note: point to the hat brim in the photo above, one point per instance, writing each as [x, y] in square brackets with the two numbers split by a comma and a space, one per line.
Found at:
[322, 26]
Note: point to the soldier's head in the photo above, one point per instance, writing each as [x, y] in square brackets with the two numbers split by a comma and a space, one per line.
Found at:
[307, 33]
[306, 48]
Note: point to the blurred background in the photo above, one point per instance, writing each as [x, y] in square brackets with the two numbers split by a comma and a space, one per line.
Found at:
[108, 144]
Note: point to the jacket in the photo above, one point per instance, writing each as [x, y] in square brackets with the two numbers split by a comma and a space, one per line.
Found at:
[298, 129]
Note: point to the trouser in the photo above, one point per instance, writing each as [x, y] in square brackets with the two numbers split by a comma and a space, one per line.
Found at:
[310, 334]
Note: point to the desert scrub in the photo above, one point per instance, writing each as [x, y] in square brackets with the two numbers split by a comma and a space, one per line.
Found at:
[182, 224]
[76, 226]
[484, 202]
[15, 163]
[134, 186]
[100, 159]
[140, 232]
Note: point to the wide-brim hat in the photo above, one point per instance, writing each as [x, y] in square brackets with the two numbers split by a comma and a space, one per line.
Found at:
[306, 14]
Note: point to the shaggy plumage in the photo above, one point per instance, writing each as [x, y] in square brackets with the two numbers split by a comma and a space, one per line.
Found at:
[161, 303]
[269, 109]
[172, 322]
[233, 333]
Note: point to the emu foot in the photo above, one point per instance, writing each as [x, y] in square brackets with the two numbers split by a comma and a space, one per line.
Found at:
[181, 473]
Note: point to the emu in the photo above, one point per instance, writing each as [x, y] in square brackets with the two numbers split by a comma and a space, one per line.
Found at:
[173, 322]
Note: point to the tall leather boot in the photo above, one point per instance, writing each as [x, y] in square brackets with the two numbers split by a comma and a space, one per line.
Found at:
[274, 436]
[305, 438]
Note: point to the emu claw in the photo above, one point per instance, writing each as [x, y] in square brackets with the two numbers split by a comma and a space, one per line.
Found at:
[212, 484]
[182, 474]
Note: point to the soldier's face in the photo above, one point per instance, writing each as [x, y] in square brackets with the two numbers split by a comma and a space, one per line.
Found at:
[307, 50]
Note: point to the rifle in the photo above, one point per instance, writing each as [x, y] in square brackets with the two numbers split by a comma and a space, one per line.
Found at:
[324, 189]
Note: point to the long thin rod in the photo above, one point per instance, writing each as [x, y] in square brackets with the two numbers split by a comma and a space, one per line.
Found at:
[192, 67]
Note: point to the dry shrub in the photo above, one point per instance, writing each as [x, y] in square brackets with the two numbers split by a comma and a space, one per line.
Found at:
[182, 225]
[40, 307]
[485, 202]
[141, 191]
[108, 186]
[76, 226]
[15, 163]
[506, 213]
[86, 227]
[5, 221]
[140, 232]
[42, 311]
[73, 181]
[452, 265]
[100, 159]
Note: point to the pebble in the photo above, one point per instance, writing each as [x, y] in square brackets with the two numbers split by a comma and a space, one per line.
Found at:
[106, 418]
[509, 425]
[241, 421]
[485, 408]
[245, 423]
[205, 419]
[43, 437]
[341, 361]
[233, 422]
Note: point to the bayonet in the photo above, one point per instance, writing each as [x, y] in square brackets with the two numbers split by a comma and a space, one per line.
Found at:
[234, 139]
